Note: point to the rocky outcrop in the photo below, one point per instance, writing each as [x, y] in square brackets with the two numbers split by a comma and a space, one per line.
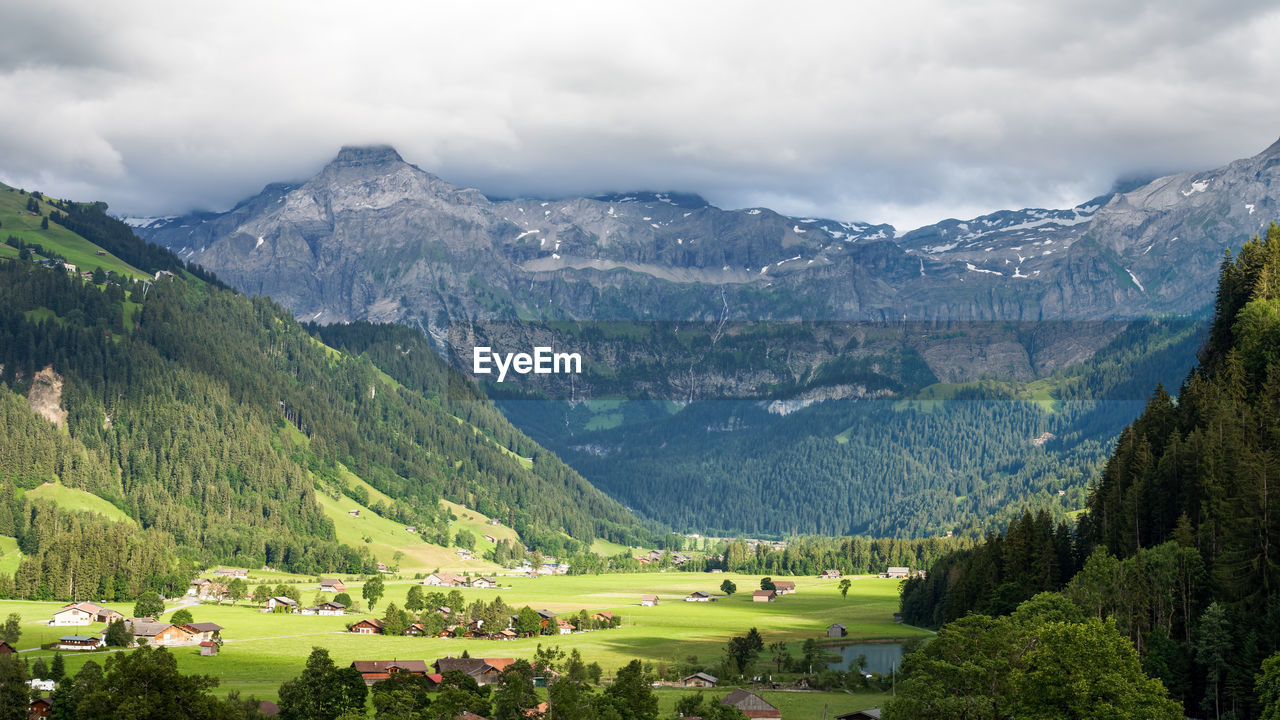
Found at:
[45, 396]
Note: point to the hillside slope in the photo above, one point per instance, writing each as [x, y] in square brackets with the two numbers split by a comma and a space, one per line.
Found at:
[1178, 543]
[210, 418]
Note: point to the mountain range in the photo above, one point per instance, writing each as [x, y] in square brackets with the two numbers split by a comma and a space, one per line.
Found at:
[373, 237]
[672, 300]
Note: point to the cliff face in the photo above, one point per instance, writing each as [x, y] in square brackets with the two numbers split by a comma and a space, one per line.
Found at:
[372, 237]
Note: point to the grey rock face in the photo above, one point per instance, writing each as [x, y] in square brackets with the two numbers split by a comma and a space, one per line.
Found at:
[373, 237]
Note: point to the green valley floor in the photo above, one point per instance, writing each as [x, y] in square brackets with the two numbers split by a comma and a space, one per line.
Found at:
[263, 650]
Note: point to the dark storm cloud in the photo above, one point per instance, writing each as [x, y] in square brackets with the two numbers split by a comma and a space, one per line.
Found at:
[906, 113]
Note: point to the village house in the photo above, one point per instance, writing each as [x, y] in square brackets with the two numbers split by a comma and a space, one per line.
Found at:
[353, 513]
[411, 528]
[332, 585]
[484, 582]
[232, 572]
[491, 539]
[81, 613]
[39, 709]
[764, 596]
[156, 634]
[213, 591]
[784, 587]
[752, 705]
[870, 714]
[382, 567]
[6, 648]
[442, 580]
[289, 605]
[499, 664]
[700, 680]
[201, 631]
[698, 596]
[897, 573]
[648, 600]
[42, 685]
[604, 616]
[208, 648]
[330, 608]
[78, 642]
[368, 626]
[837, 630]
[479, 669]
[564, 626]
[830, 575]
[374, 670]
[107, 615]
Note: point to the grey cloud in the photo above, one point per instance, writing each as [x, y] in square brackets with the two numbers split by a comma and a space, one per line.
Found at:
[905, 114]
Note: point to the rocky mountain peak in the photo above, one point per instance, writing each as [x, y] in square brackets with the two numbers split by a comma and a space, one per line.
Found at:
[351, 155]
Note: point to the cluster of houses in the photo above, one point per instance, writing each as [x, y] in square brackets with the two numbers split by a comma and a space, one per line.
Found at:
[484, 671]
[147, 631]
[655, 556]
[780, 587]
[282, 604]
[444, 579]
[476, 629]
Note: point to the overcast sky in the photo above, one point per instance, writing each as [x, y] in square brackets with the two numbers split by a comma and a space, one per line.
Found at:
[904, 112]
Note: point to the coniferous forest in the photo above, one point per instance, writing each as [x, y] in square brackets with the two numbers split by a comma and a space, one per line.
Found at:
[211, 420]
[1174, 548]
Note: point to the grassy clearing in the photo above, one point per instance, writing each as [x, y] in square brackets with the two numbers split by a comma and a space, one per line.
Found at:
[78, 501]
[16, 220]
[10, 556]
[607, 548]
[264, 650]
[354, 481]
[385, 538]
[479, 526]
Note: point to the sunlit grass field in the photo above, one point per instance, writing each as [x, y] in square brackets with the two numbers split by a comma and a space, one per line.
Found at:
[264, 650]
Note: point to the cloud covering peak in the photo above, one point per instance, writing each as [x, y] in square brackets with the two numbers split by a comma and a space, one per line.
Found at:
[904, 113]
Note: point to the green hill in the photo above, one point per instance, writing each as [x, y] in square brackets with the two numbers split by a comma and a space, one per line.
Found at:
[222, 431]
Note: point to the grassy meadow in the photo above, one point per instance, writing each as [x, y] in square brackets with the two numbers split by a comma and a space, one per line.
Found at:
[264, 650]
[78, 501]
[16, 220]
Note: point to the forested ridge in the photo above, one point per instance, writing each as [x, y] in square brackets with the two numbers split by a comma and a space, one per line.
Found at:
[179, 394]
[1176, 546]
[968, 462]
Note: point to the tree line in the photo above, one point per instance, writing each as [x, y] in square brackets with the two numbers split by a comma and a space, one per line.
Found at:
[1175, 547]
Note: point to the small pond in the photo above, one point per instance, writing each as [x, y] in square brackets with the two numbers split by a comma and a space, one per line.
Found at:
[881, 657]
